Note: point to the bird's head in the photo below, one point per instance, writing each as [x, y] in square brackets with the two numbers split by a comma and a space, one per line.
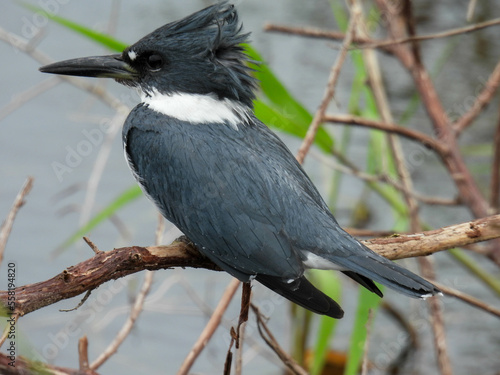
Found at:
[200, 54]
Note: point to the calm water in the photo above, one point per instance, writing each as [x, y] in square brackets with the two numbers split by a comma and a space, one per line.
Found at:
[50, 128]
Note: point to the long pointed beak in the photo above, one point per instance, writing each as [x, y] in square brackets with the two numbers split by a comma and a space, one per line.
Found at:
[111, 66]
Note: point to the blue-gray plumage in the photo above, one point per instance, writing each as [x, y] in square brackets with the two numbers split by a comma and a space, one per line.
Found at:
[219, 174]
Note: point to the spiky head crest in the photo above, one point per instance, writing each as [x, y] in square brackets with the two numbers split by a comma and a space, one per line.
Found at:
[199, 54]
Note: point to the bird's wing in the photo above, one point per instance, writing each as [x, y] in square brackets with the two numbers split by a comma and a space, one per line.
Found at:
[243, 199]
[238, 194]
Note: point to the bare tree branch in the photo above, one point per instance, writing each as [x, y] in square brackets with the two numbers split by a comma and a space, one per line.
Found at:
[433, 241]
[482, 100]
[136, 308]
[9, 221]
[268, 337]
[453, 160]
[468, 299]
[24, 366]
[364, 42]
[443, 34]
[495, 170]
[330, 87]
[83, 353]
[24, 45]
[415, 135]
[210, 328]
[116, 263]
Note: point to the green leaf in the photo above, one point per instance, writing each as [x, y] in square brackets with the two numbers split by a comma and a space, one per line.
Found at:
[475, 269]
[478, 149]
[329, 283]
[274, 118]
[366, 301]
[282, 107]
[104, 39]
[126, 197]
[275, 92]
[340, 14]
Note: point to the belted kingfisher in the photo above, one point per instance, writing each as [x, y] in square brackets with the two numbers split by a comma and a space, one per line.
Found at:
[219, 174]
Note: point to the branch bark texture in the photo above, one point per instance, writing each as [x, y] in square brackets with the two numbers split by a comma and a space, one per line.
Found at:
[110, 265]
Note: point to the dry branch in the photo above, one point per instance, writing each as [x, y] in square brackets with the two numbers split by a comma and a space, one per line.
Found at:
[446, 135]
[468, 299]
[495, 170]
[364, 42]
[103, 267]
[24, 366]
[268, 337]
[453, 161]
[389, 128]
[210, 328]
[137, 307]
[432, 241]
[330, 88]
[482, 100]
[9, 221]
[110, 265]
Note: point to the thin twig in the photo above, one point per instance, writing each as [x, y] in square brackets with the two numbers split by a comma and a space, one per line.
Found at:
[412, 340]
[82, 301]
[467, 299]
[368, 327]
[12, 318]
[312, 32]
[426, 265]
[92, 245]
[24, 366]
[364, 42]
[387, 127]
[268, 337]
[351, 169]
[394, 143]
[330, 88]
[134, 313]
[443, 34]
[437, 322]
[377, 85]
[495, 169]
[229, 355]
[210, 328]
[105, 149]
[21, 98]
[454, 161]
[9, 221]
[24, 45]
[127, 327]
[251, 340]
[83, 353]
[470, 9]
[239, 350]
[102, 157]
[482, 100]
[246, 295]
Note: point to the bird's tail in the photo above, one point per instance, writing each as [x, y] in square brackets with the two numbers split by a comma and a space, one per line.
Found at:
[371, 266]
[303, 293]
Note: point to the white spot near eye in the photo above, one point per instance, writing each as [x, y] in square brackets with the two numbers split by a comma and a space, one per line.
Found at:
[132, 55]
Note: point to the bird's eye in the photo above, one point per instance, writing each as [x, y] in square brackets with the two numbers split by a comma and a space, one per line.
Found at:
[154, 61]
